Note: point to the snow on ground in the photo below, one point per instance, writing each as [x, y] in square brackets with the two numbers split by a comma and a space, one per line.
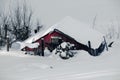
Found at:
[13, 53]
[81, 67]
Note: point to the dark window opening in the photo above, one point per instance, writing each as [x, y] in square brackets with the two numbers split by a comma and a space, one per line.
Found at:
[56, 40]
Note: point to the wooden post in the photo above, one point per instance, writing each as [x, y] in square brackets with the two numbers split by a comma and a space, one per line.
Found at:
[0, 31]
[42, 45]
[6, 31]
[0, 43]
[89, 44]
[7, 43]
[90, 50]
[105, 43]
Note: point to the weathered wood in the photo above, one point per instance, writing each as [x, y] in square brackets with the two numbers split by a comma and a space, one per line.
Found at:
[110, 45]
[89, 44]
[105, 43]
[7, 43]
[42, 45]
[6, 31]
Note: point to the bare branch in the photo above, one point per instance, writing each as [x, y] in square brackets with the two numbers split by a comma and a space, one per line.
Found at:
[94, 21]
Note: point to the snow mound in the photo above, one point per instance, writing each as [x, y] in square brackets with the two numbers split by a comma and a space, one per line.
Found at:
[16, 46]
[21, 45]
[47, 52]
[15, 53]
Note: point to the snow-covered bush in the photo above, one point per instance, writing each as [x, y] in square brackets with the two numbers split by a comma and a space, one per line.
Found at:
[64, 50]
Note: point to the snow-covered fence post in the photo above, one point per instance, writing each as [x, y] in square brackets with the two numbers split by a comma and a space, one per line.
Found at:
[42, 45]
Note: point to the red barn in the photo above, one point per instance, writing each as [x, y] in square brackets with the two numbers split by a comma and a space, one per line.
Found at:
[68, 30]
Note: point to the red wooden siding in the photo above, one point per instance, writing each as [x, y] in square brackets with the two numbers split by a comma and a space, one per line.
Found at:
[66, 38]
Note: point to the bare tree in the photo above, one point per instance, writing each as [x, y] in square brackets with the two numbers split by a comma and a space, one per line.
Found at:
[118, 24]
[113, 31]
[94, 21]
[17, 25]
[21, 21]
[4, 26]
[38, 26]
[118, 36]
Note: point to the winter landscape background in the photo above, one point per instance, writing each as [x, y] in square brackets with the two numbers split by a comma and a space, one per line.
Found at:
[52, 11]
[24, 18]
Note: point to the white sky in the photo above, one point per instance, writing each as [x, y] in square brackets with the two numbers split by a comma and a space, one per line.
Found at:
[51, 11]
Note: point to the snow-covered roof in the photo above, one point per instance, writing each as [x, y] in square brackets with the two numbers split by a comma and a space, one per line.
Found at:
[79, 31]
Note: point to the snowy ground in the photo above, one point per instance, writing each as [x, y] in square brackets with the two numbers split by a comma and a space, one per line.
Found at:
[17, 66]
